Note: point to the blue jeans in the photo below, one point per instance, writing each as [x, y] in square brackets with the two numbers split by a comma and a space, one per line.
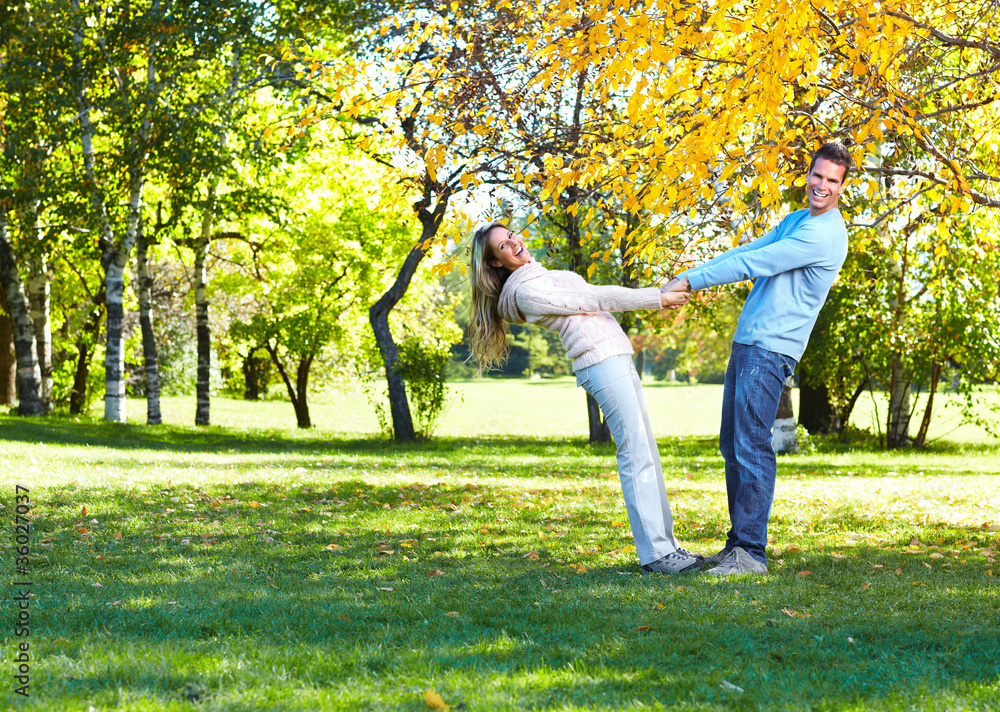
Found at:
[754, 379]
[616, 387]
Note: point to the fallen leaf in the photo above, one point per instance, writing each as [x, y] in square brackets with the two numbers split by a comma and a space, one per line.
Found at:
[914, 542]
[100, 557]
[645, 628]
[435, 572]
[937, 555]
[435, 700]
[803, 574]
[898, 572]
[215, 503]
[96, 585]
[304, 509]
[118, 535]
[581, 569]
[83, 532]
[865, 586]
[793, 549]
[452, 614]
[344, 618]
[927, 565]
[386, 551]
[791, 613]
[83, 511]
[254, 503]
[334, 547]
[386, 588]
[617, 524]
[680, 588]
[850, 640]
[726, 685]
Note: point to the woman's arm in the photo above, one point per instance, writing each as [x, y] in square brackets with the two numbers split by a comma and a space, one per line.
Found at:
[548, 298]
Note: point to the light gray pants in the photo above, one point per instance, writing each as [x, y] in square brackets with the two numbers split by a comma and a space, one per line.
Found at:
[616, 387]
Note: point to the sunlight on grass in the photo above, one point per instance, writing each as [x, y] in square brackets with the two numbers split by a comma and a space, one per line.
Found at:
[259, 567]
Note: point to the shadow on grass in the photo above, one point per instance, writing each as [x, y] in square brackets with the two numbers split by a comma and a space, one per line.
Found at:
[604, 638]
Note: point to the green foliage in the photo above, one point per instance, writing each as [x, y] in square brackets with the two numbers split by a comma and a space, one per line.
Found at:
[423, 367]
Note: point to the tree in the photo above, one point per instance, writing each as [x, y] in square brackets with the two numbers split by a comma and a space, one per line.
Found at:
[311, 276]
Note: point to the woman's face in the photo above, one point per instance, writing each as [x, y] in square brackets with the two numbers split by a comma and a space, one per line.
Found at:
[507, 249]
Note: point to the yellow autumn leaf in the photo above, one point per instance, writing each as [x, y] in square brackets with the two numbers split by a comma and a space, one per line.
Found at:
[334, 547]
[435, 700]
[254, 504]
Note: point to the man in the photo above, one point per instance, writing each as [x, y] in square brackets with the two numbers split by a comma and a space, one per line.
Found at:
[794, 266]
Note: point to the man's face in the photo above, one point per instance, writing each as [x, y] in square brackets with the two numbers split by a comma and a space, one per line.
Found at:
[824, 184]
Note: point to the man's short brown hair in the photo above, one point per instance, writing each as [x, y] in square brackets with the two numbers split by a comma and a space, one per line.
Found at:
[835, 152]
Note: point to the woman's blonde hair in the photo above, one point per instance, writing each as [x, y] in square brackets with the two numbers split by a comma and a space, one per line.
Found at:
[487, 331]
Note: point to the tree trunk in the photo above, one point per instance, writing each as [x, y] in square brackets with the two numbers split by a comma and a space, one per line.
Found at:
[297, 392]
[640, 362]
[201, 416]
[114, 258]
[80, 394]
[28, 379]
[925, 423]
[8, 359]
[149, 354]
[254, 376]
[302, 385]
[817, 413]
[39, 300]
[897, 432]
[378, 315]
[38, 292]
[783, 436]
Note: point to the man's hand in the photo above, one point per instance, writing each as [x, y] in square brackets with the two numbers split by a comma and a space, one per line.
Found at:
[677, 284]
[675, 293]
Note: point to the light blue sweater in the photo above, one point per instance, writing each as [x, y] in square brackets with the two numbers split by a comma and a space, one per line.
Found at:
[795, 264]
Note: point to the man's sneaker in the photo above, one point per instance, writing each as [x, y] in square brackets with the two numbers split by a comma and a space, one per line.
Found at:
[673, 563]
[718, 557]
[738, 562]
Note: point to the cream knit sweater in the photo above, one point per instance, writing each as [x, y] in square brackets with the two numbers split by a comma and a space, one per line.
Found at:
[564, 302]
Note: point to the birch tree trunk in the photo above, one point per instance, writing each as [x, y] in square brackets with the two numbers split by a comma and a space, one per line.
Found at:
[28, 379]
[8, 359]
[39, 293]
[149, 354]
[897, 432]
[204, 334]
[114, 258]
[783, 436]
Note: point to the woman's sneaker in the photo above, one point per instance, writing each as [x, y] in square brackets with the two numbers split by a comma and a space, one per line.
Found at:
[674, 563]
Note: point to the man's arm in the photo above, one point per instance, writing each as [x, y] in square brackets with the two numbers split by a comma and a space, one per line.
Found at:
[805, 246]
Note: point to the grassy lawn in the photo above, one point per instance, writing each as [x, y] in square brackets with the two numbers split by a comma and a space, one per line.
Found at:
[248, 566]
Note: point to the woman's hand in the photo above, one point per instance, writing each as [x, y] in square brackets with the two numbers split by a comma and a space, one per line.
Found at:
[673, 300]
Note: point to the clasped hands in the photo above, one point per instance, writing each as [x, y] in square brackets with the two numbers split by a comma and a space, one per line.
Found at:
[675, 293]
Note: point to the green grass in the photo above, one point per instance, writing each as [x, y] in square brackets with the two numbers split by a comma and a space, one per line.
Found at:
[513, 582]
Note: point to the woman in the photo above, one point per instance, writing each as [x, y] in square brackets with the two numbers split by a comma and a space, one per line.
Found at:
[509, 286]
